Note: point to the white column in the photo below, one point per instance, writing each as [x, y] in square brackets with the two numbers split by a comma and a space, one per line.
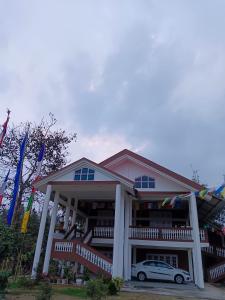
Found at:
[74, 212]
[67, 214]
[117, 234]
[121, 237]
[50, 234]
[134, 255]
[41, 232]
[86, 226]
[197, 254]
[190, 264]
[127, 246]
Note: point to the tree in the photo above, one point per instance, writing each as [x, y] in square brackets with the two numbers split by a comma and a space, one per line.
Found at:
[56, 152]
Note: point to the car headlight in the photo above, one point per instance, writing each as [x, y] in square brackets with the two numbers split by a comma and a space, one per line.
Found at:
[186, 273]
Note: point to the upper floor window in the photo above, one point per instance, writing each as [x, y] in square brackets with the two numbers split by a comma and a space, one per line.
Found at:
[84, 174]
[144, 182]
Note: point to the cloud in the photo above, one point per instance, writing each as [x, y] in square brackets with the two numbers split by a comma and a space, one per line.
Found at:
[148, 76]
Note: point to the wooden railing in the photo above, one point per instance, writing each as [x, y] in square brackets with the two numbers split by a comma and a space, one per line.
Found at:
[103, 232]
[84, 254]
[165, 234]
[214, 250]
[173, 234]
[152, 233]
[216, 272]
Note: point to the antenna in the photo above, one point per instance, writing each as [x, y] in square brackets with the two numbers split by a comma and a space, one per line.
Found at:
[195, 176]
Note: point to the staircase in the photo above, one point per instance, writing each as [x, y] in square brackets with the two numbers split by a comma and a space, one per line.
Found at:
[80, 252]
[217, 271]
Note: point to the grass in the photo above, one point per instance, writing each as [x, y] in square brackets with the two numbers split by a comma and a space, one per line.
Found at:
[75, 292]
[70, 293]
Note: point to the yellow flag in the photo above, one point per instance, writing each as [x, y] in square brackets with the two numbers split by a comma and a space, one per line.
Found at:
[25, 221]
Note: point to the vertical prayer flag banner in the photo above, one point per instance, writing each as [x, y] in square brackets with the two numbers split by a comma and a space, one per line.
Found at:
[26, 215]
[17, 180]
[4, 129]
[40, 160]
[3, 187]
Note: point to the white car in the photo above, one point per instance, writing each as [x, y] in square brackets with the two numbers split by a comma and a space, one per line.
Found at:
[154, 269]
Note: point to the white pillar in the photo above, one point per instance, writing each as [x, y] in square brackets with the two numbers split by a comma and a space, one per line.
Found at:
[134, 255]
[86, 226]
[67, 215]
[41, 232]
[197, 254]
[190, 264]
[118, 233]
[50, 234]
[74, 212]
[127, 246]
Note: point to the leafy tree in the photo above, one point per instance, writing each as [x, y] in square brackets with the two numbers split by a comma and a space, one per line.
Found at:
[56, 143]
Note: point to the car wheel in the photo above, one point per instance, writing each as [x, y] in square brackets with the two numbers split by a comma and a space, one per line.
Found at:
[141, 276]
[179, 279]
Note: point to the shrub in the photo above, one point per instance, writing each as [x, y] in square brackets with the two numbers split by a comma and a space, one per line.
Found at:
[118, 281]
[112, 290]
[86, 275]
[24, 282]
[45, 292]
[96, 289]
[115, 285]
[4, 276]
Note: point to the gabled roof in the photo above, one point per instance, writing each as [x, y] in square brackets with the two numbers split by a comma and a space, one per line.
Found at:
[51, 176]
[127, 153]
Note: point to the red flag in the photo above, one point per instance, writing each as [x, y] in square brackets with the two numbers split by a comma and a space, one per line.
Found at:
[4, 129]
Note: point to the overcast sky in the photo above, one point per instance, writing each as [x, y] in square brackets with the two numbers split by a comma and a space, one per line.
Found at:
[144, 75]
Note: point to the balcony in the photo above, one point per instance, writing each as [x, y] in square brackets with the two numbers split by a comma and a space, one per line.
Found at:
[150, 233]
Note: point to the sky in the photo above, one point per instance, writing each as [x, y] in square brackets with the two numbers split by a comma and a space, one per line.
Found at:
[146, 75]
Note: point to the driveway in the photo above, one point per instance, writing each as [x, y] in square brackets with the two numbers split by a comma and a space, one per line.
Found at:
[210, 292]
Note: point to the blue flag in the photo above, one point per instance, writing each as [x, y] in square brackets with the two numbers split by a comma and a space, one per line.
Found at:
[17, 180]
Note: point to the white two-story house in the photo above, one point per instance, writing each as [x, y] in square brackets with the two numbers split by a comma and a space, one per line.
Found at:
[118, 202]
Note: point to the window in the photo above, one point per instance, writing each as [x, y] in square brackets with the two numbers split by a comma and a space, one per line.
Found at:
[84, 174]
[170, 259]
[144, 182]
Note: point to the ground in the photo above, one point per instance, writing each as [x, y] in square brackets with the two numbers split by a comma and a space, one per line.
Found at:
[122, 296]
[133, 291]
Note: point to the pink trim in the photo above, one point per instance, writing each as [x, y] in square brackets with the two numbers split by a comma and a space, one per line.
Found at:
[83, 182]
[90, 161]
[152, 164]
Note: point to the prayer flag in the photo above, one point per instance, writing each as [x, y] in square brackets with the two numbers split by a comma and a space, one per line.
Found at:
[27, 212]
[4, 129]
[17, 180]
[166, 201]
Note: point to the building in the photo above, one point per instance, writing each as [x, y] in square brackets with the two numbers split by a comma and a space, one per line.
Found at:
[119, 204]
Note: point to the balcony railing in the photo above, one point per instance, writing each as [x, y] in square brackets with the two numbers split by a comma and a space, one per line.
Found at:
[168, 234]
[103, 232]
[151, 233]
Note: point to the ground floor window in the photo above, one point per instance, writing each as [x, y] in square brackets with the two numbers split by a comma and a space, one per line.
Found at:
[171, 259]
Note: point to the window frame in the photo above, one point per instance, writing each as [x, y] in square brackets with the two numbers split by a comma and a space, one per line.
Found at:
[144, 182]
[84, 174]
